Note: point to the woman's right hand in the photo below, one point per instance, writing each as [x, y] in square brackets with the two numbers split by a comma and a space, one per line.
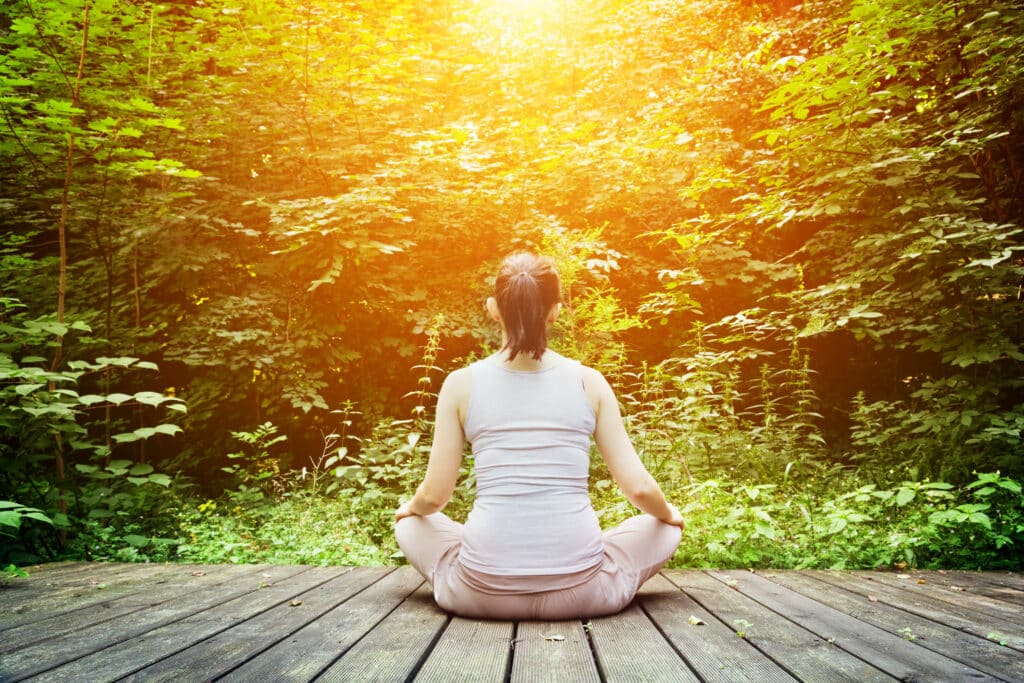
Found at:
[675, 518]
[404, 510]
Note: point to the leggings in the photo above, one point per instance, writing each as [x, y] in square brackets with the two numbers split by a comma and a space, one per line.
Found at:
[634, 551]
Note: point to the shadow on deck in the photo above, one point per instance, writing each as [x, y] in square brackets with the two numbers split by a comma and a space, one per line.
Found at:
[105, 622]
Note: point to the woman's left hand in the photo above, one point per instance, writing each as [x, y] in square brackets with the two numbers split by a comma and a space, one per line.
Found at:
[404, 510]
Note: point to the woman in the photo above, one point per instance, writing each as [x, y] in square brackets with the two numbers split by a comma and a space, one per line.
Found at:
[532, 547]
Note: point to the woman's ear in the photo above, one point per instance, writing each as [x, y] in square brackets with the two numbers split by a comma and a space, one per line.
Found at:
[492, 309]
[553, 314]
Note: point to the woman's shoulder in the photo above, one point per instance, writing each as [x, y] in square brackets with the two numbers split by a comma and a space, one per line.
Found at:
[592, 376]
[458, 378]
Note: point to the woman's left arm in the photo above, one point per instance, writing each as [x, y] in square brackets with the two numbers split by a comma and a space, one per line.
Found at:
[445, 451]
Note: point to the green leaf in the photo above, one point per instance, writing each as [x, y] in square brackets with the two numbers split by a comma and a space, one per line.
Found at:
[26, 389]
[980, 518]
[904, 496]
[9, 518]
[168, 429]
[160, 479]
[121, 361]
[39, 517]
[150, 398]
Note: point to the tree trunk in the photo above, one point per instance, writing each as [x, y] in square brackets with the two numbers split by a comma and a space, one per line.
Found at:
[69, 165]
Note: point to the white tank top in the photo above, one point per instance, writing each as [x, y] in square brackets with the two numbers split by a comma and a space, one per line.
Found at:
[530, 433]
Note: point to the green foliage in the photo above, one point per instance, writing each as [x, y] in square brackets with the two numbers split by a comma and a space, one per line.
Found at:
[11, 572]
[832, 522]
[58, 454]
[793, 240]
[12, 515]
[259, 471]
[300, 529]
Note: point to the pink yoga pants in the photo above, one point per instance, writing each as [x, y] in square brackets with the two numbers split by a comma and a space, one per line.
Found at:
[634, 551]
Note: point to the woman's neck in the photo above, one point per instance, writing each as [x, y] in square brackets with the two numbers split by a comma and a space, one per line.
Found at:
[524, 362]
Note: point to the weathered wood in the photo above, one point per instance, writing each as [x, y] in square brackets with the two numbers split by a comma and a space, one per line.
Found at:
[893, 654]
[129, 656]
[308, 651]
[253, 623]
[48, 568]
[552, 652]
[712, 648]
[794, 648]
[470, 650]
[395, 647]
[52, 653]
[959, 577]
[972, 650]
[982, 608]
[87, 609]
[629, 647]
[231, 648]
[51, 592]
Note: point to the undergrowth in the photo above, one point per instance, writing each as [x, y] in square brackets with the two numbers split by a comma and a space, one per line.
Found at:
[744, 461]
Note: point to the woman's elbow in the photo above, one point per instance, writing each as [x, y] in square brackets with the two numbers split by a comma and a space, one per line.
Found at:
[644, 490]
[432, 500]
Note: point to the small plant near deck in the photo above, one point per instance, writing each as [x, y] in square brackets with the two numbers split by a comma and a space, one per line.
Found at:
[742, 626]
[11, 572]
[257, 468]
[996, 637]
[907, 633]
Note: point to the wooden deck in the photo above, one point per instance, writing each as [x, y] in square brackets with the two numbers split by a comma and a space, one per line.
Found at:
[106, 622]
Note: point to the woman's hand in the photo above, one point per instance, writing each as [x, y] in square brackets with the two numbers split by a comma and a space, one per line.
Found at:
[676, 519]
[404, 510]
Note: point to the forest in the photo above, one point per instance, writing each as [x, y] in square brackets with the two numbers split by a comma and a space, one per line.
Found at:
[244, 241]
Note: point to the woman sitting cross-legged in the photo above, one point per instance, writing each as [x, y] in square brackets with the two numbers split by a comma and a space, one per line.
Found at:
[532, 547]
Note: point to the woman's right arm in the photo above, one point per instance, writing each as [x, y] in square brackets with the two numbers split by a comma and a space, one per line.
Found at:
[625, 465]
[445, 451]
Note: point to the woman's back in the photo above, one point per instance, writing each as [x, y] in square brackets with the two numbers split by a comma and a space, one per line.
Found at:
[530, 433]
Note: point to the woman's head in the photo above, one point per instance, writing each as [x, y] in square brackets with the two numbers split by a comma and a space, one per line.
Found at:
[526, 293]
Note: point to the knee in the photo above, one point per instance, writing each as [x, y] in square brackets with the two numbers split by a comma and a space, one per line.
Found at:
[673, 534]
[669, 534]
[405, 529]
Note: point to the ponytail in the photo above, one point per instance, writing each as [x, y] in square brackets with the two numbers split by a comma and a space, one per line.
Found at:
[526, 288]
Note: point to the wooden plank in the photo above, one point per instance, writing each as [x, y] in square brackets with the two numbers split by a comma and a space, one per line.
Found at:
[101, 584]
[629, 647]
[54, 652]
[396, 646]
[893, 654]
[128, 656]
[974, 583]
[996, 585]
[711, 648]
[65, 568]
[972, 650]
[470, 650]
[308, 651]
[131, 597]
[537, 657]
[50, 592]
[230, 648]
[961, 614]
[795, 649]
[959, 577]
[1004, 612]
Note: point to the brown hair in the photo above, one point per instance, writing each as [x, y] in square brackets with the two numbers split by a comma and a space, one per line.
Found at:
[526, 288]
